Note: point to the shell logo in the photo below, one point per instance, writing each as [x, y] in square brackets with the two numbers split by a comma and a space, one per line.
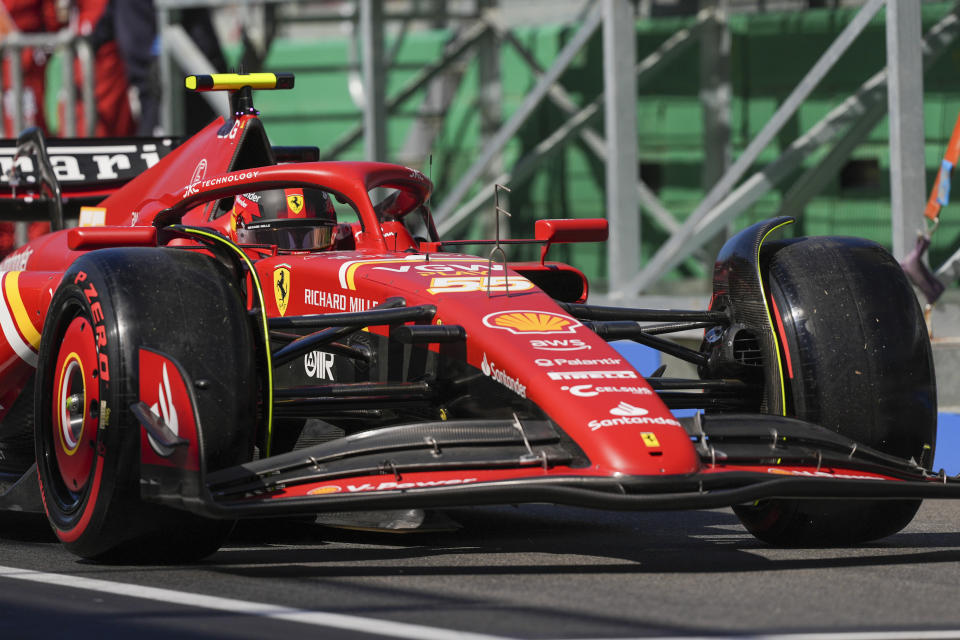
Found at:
[325, 490]
[524, 322]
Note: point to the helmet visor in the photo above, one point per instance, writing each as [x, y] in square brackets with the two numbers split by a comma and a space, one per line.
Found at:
[296, 234]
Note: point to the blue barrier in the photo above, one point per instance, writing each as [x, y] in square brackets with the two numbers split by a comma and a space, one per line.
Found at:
[947, 454]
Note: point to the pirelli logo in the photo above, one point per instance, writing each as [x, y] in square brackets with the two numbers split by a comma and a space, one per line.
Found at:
[592, 375]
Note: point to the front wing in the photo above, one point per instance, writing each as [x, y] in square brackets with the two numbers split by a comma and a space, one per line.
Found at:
[745, 457]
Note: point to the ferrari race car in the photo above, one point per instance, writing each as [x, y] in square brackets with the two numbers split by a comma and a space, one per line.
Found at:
[238, 330]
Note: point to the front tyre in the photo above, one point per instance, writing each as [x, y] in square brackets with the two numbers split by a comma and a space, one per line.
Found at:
[857, 360]
[109, 304]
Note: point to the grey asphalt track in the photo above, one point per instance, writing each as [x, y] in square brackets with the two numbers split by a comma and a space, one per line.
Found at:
[528, 572]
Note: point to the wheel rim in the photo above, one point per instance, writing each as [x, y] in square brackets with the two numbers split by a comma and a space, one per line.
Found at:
[74, 412]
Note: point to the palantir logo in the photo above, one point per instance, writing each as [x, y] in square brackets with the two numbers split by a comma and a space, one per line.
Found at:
[628, 410]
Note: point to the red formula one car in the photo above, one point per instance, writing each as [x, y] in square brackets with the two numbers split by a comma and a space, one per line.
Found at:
[242, 331]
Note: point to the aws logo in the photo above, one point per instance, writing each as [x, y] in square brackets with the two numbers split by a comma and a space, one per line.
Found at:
[559, 344]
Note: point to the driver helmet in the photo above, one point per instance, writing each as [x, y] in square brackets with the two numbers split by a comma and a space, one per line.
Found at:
[294, 219]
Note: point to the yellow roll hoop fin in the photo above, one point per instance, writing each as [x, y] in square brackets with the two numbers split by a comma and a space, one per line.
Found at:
[236, 81]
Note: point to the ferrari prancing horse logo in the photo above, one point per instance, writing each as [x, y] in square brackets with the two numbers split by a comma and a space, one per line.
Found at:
[295, 202]
[281, 287]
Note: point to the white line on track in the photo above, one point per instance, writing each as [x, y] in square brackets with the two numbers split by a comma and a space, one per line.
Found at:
[391, 629]
[244, 607]
[932, 634]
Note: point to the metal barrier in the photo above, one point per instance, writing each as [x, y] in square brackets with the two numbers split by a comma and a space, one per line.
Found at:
[72, 47]
[735, 186]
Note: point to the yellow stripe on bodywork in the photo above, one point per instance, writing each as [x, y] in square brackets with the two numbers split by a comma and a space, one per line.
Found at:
[20, 315]
[773, 327]
[349, 270]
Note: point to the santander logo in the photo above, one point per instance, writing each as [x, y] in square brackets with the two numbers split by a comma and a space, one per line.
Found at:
[163, 408]
[198, 175]
[490, 369]
[628, 414]
[627, 410]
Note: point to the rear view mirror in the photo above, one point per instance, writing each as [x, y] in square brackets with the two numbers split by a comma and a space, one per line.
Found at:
[569, 230]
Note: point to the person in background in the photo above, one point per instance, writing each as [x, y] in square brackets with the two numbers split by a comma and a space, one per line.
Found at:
[132, 25]
[27, 16]
[113, 117]
[114, 114]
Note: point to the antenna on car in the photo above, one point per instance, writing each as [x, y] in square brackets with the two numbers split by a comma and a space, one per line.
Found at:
[430, 176]
[426, 254]
[497, 210]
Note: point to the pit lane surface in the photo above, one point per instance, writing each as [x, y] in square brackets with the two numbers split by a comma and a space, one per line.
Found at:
[530, 572]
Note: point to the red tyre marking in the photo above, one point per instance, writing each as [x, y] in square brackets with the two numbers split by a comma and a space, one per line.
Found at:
[783, 337]
[74, 533]
[75, 390]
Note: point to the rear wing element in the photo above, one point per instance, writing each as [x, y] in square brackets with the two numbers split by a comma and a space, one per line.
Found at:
[50, 180]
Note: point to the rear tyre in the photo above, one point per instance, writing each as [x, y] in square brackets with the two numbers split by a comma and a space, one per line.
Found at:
[109, 304]
[857, 360]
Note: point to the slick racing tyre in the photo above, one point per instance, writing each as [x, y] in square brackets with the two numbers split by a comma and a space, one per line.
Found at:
[857, 360]
[109, 304]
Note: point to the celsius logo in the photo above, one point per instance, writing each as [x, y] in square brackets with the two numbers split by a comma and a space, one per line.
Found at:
[624, 409]
[490, 370]
[589, 390]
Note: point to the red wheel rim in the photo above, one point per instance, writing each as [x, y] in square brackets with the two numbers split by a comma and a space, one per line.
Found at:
[76, 402]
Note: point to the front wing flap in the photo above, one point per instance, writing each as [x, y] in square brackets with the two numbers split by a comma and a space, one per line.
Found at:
[717, 488]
